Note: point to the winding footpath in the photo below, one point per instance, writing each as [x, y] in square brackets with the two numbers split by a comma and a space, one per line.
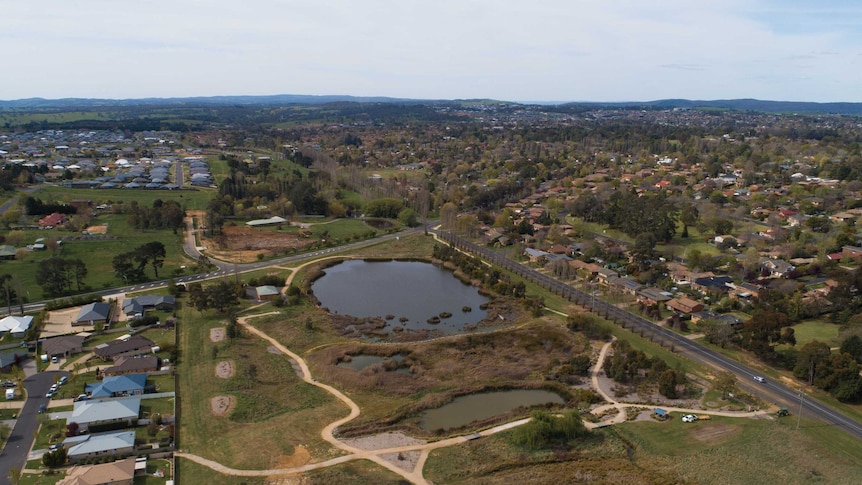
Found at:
[415, 475]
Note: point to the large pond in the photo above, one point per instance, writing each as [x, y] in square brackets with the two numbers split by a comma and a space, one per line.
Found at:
[412, 292]
[464, 410]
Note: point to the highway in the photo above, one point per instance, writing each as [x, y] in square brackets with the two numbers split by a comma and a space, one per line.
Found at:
[787, 396]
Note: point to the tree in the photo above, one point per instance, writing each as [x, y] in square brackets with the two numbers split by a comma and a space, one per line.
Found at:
[154, 252]
[667, 384]
[725, 383]
[54, 459]
[852, 345]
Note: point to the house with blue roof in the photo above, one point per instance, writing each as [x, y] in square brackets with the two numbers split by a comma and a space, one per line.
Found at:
[118, 386]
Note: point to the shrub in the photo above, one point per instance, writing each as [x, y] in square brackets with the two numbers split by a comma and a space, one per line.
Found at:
[546, 431]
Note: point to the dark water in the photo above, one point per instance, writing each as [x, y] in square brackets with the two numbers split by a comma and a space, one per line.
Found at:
[361, 361]
[464, 410]
[415, 290]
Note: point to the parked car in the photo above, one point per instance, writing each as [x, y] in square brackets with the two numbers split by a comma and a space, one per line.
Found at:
[42, 408]
[55, 446]
[63, 380]
[689, 418]
[9, 384]
[81, 397]
[49, 394]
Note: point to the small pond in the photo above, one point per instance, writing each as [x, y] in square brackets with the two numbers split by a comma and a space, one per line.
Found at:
[411, 292]
[464, 410]
[361, 361]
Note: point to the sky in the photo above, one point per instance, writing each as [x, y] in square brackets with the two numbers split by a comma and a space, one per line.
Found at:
[536, 50]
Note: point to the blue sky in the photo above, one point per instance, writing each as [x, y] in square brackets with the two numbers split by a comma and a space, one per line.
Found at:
[543, 50]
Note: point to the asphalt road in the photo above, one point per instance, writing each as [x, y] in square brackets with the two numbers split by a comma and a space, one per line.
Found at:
[18, 446]
[770, 390]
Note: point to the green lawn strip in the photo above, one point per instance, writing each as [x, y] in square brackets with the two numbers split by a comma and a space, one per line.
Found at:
[51, 431]
[190, 472]
[273, 409]
[163, 406]
[41, 479]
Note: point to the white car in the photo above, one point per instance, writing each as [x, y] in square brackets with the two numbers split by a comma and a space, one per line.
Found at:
[760, 379]
[689, 418]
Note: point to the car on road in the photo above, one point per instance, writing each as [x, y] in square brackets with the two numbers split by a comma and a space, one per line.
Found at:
[42, 408]
[49, 394]
[760, 379]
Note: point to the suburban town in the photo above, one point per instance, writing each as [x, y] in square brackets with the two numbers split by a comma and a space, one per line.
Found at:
[626, 294]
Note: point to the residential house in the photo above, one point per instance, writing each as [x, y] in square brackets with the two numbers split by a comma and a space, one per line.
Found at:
[712, 283]
[684, 305]
[92, 313]
[122, 411]
[139, 305]
[95, 445]
[777, 268]
[120, 472]
[52, 220]
[745, 291]
[653, 296]
[536, 255]
[624, 285]
[118, 386]
[63, 346]
[15, 325]
[7, 251]
[8, 359]
[133, 365]
[135, 345]
[604, 274]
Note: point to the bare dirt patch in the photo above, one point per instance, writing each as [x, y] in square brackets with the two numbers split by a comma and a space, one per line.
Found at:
[300, 457]
[222, 405]
[405, 460]
[224, 369]
[713, 433]
[217, 334]
[240, 243]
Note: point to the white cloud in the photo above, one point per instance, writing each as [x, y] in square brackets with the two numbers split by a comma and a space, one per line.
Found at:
[504, 49]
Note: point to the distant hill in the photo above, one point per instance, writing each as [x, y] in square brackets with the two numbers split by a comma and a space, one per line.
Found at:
[277, 99]
[300, 99]
[742, 105]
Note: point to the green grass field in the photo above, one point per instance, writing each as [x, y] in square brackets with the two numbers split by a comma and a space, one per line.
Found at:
[189, 199]
[98, 255]
[816, 330]
[273, 408]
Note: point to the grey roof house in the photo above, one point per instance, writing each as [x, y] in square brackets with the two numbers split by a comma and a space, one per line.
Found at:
[92, 313]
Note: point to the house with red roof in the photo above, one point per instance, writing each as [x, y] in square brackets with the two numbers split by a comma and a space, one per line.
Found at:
[52, 220]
